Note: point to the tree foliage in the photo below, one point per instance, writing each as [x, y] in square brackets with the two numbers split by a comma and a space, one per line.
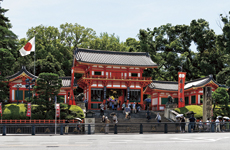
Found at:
[221, 98]
[8, 44]
[48, 86]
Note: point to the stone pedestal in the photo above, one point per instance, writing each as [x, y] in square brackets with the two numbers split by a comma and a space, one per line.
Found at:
[207, 103]
[169, 107]
[90, 119]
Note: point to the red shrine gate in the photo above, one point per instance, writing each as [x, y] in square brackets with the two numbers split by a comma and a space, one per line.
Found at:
[107, 70]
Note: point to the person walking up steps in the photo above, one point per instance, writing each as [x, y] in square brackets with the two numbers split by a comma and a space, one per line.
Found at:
[158, 117]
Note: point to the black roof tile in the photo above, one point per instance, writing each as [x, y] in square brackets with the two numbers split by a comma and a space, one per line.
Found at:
[141, 59]
[173, 86]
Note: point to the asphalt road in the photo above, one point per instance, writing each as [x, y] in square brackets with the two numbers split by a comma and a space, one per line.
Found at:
[192, 141]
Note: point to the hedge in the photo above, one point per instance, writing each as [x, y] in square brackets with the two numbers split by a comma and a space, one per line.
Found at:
[14, 111]
[198, 109]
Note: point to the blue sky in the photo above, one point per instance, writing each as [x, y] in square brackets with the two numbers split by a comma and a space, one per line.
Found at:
[123, 17]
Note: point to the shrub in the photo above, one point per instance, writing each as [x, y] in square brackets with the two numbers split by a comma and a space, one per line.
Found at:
[14, 111]
[198, 109]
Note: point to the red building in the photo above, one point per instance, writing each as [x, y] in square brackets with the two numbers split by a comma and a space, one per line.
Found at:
[193, 91]
[107, 70]
[21, 93]
[103, 71]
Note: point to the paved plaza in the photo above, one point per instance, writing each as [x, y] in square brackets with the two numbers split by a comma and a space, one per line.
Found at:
[204, 141]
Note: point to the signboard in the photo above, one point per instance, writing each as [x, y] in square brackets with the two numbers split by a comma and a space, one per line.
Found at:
[58, 110]
[28, 114]
[128, 90]
[181, 81]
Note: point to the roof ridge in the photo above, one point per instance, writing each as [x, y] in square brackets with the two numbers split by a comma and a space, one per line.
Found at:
[209, 76]
[107, 51]
[170, 82]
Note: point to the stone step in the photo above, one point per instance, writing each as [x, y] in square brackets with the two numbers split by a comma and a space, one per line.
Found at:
[139, 117]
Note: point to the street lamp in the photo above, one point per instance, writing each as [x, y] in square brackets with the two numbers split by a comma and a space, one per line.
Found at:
[28, 83]
[18, 86]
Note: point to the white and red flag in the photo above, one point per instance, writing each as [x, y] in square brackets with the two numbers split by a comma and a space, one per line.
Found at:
[28, 114]
[29, 47]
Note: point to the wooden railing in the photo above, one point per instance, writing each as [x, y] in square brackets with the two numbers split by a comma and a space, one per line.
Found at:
[114, 77]
[37, 121]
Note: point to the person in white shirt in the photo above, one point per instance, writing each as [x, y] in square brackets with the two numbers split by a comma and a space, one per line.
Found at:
[134, 108]
[208, 125]
[158, 117]
[217, 125]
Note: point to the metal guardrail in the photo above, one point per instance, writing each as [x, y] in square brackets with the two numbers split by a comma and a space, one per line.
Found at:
[163, 127]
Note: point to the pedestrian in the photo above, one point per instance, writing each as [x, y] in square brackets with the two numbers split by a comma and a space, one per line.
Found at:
[131, 107]
[182, 124]
[106, 105]
[148, 114]
[223, 125]
[134, 108]
[123, 107]
[107, 121]
[66, 126]
[127, 113]
[178, 124]
[138, 107]
[110, 104]
[115, 119]
[78, 126]
[102, 109]
[158, 117]
[217, 125]
[208, 125]
[86, 104]
[200, 126]
[115, 104]
[103, 119]
[192, 122]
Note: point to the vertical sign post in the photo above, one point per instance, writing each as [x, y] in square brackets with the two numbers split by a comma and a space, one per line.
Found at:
[181, 81]
[1, 111]
[55, 106]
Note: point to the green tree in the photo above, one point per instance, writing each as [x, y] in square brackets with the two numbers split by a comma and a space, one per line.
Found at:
[221, 97]
[8, 44]
[75, 35]
[223, 45]
[133, 44]
[163, 44]
[105, 42]
[49, 45]
[209, 58]
[48, 86]
[50, 64]
[4, 89]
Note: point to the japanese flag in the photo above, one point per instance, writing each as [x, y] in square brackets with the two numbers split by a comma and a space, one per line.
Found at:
[29, 47]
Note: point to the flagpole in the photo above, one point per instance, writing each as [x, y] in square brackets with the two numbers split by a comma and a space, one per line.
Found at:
[34, 54]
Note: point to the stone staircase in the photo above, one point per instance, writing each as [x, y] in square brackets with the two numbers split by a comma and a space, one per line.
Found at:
[133, 124]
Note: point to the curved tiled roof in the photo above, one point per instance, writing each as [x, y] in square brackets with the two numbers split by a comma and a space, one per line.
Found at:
[66, 81]
[173, 86]
[20, 72]
[114, 58]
